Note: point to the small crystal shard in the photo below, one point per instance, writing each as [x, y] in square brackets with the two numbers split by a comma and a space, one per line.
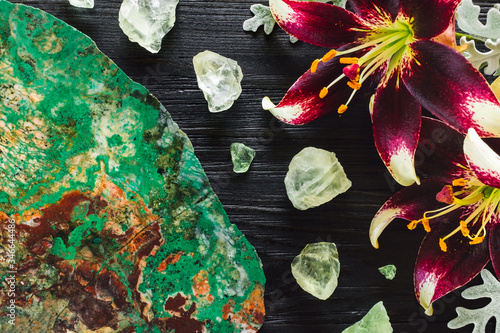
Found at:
[375, 321]
[82, 3]
[389, 271]
[242, 156]
[317, 268]
[314, 177]
[219, 78]
[147, 21]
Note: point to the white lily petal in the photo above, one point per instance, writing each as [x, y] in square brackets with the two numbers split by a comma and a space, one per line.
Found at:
[483, 161]
[402, 169]
[381, 220]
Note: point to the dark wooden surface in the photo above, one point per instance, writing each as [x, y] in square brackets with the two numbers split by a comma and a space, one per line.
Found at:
[256, 201]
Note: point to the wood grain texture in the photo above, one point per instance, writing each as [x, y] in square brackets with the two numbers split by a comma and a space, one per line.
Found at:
[256, 201]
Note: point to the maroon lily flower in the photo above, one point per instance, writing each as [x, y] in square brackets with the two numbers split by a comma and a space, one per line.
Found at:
[458, 204]
[396, 47]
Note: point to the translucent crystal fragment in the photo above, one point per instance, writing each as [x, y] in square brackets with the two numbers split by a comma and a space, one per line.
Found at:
[146, 22]
[389, 271]
[375, 321]
[219, 78]
[82, 3]
[242, 156]
[317, 268]
[314, 177]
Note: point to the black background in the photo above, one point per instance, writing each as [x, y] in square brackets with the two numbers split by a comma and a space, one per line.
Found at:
[256, 201]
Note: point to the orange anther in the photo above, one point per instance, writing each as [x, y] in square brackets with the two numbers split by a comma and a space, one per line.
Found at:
[476, 240]
[329, 55]
[314, 66]
[459, 182]
[412, 225]
[354, 85]
[442, 245]
[323, 92]
[347, 60]
[464, 229]
[342, 109]
[425, 224]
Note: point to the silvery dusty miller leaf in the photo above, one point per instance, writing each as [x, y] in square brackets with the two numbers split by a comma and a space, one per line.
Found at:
[478, 59]
[480, 317]
[116, 226]
[468, 20]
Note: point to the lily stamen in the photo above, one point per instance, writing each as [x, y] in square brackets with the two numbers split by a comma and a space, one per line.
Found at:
[459, 182]
[464, 229]
[348, 60]
[354, 85]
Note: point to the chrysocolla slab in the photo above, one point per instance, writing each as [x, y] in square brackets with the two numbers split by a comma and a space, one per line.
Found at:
[375, 321]
[389, 271]
[314, 177]
[116, 226]
[219, 78]
[317, 269]
[146, 22]
[242, 156]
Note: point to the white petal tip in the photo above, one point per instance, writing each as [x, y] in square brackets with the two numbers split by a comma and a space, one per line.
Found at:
[401, 168]
[267, 104]
[429, 311]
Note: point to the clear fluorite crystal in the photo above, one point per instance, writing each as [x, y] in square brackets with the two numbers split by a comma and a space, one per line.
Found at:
[317, 268]
[242, 156]
[147, 21]
[219, 78]
[389, 271]
[82, 3]
[314, 177]
[375, 321]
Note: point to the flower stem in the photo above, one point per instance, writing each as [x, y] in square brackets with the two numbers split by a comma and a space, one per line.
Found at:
[469, 37]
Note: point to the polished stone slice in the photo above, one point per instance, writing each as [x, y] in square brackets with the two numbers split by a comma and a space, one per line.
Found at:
[219, 78]
[389, 271]
[375, 321]
[242, 156]
[117, 227]
[314, 177]
[82, 3]
[317, 269]
[147, 21]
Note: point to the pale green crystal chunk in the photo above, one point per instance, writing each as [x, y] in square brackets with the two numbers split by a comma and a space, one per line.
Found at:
[375, 321]
[219, 78]
[82, 3]
[147, 21]
[317, 268]
[314, 177]
[389, 271]
[242, 156]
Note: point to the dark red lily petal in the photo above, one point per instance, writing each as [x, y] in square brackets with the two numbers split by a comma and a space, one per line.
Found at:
[318, 23]
[396, 126]
[494, 244]
[302, 103]
[437, 272]
[410, 203]
[440, 152]
[430, 17]
[446, 84]
[382, 11]
[482, 160]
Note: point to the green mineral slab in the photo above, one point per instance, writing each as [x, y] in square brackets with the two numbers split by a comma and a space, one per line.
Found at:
[108, 221]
